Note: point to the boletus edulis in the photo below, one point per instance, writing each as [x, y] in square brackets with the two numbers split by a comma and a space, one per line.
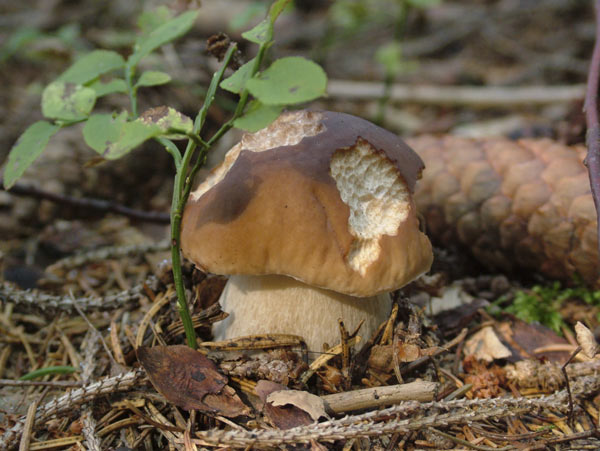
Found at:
[313, 220]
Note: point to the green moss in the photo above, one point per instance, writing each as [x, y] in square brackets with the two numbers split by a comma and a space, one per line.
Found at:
[542, 303]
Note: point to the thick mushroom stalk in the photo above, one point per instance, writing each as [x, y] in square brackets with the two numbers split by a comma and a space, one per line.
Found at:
[281, 304]
[324, 198]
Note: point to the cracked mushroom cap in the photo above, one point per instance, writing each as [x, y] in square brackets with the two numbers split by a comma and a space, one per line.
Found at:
[323, 197]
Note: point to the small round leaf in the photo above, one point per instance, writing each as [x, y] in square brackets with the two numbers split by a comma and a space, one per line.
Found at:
[288, 81]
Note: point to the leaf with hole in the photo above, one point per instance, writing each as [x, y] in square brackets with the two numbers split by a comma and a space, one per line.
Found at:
[165, 33]
[91, 66]
[190, 380]
[113, 136]
[28, 147]
[289, 81]
[172, 123]
[67, 101]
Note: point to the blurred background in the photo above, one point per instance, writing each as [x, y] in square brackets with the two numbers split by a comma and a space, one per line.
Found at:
[515, 68]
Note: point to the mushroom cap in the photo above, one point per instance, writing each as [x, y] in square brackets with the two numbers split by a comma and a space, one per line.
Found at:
[323, 197]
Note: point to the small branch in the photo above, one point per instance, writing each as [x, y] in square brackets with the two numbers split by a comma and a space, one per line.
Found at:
[592, 159]
[54, 384]
[105, 253]
[86, 203]
[50, 304]
[474, 96]
[368, 398]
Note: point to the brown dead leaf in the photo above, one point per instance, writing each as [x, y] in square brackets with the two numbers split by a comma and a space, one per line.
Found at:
[525, 340]
[286, 414]
[586, 340]
[309, 403]
[190, 380]
[485, 345]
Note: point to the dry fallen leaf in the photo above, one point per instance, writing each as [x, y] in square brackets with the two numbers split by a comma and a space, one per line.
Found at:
[485, 345]
[586, 340]
[309, 403]
[287, 412]
[190, 380]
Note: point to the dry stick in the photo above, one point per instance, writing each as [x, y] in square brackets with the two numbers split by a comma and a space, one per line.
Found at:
[54, 384]
[29, 422]
[108, 252]
[368, 398]
[474, 96]
[100, 205]
[50, 304]
[592, 160]
[402, 418]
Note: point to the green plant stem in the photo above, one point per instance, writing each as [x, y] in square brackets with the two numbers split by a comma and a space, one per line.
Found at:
[129, 73]
[50, 370]
[181, 190]
[399, 30]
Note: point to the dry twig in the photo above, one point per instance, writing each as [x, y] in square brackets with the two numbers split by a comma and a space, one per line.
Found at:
[50, 304]
[85, 203]
[474, 96]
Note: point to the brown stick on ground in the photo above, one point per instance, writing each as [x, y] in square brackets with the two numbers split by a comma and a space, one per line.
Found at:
[523, 204]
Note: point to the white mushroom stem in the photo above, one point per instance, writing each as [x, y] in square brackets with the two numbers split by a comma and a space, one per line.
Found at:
[281, 304]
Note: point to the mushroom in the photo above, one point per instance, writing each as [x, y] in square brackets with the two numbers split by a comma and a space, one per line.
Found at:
[313, 220]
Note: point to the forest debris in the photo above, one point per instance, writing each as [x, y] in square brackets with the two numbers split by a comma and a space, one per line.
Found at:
[278, 365]
[309, 403]
[190, 380]
[486, 380]
[530, 340]
[289, 408]
[452, 296]
[547, 376]
[485, 345]
[70, 400]
[586, 340]
[421, 391]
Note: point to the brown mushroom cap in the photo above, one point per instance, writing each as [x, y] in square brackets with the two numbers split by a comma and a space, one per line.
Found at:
[323, 197]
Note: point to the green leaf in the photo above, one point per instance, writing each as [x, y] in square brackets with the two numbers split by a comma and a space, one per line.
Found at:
[167, 32]
[102, 89]
[113, 137]
[49, 370]
[258, 116]
[153, 78]
[276, 9]
[288, 81]
[236, 82]
[67, 101]
[91, 66]
[260, 34]
[172, 123]
[28, 147]
[150, 20]
[253, 10]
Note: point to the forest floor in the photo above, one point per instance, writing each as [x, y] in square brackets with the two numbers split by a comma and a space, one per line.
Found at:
[83, 288]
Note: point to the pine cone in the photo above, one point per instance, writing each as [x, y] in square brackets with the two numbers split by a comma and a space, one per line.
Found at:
[523, 204]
